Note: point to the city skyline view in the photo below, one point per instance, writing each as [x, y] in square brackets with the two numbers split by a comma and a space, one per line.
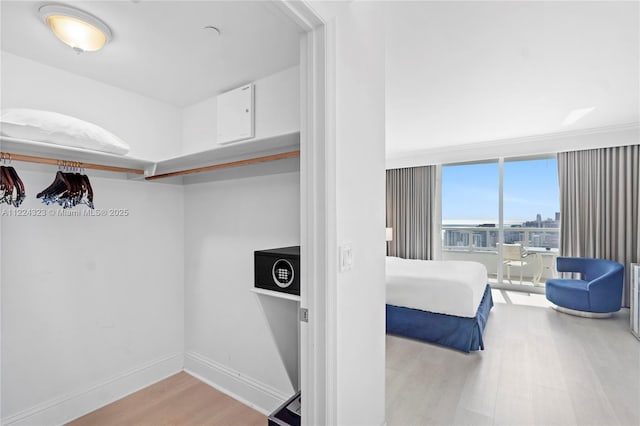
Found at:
[470, 192]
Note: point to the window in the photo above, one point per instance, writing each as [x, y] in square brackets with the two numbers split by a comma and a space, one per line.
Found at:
[470, 206]
[531, 203]
[473, 225]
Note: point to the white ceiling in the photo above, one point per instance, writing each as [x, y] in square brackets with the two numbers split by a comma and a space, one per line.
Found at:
[457, 72]
[467, 72]
[160, 48]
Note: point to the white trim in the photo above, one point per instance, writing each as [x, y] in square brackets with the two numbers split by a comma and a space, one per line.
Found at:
[247, 390]
[500, 264]
[301, 13]
[76, 404]
[331, 238]
[316, 241]
[551, 143]
[1, 328]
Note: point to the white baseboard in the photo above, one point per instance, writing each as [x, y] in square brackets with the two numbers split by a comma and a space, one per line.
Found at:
[61, 410]
[76, 404]
[251, 392]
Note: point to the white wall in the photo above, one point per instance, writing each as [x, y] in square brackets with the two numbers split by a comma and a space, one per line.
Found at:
[152, 128]
[356, 36]
[241, 342]
[92, 307]
[101, 313]
[1, 326]
[277, 111]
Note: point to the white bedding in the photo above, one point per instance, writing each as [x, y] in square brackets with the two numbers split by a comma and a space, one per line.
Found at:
[59, 129]
[447, 287]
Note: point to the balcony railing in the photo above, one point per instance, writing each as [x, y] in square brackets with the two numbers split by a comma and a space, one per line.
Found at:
[484, 239]
[478, 244]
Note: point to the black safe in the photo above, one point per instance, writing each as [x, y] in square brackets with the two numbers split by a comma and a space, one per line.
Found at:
[278, 269]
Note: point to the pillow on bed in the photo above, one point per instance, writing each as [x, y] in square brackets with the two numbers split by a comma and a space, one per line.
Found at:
[59, 129]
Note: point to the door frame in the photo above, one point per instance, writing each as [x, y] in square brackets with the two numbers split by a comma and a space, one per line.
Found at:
[318, 336]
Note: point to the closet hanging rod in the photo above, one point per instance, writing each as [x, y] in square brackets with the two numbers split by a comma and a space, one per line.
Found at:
[248, 161]
[78, 164]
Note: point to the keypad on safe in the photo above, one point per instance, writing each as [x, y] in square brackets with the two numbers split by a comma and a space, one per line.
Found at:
[283, 274]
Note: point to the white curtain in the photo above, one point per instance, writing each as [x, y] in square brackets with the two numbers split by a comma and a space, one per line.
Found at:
[411, 196]
[600, 205]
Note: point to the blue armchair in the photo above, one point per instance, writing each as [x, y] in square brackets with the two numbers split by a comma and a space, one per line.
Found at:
[598, 293]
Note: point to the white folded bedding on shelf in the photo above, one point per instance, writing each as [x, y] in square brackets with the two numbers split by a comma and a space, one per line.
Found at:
[59, 129]
[446, 287]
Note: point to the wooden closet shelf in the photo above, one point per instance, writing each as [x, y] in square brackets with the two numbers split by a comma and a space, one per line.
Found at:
[246, 162]
[31, 151]
[64, 163]
[266, 149]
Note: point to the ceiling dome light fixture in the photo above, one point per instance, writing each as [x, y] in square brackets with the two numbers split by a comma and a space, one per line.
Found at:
[80, 30]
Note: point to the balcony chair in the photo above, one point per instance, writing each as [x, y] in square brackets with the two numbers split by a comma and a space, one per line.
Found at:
[513, 255]
[596, 295]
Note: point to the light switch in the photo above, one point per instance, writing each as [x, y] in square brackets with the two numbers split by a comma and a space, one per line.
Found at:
[346, 257]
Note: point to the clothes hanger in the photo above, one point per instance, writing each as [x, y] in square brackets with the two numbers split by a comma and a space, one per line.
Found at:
[18, 194]
[68, 188]
[57, 190]
[4, 186]
[82, 186]
[72, 195]
[4, 183]
[89, 191]
[16, 187]
[8, 185]
[19, 187]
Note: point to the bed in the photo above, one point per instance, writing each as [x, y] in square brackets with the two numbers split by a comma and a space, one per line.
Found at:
[442, 302]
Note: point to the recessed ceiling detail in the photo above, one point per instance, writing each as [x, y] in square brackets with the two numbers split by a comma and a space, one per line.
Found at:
[576, 115]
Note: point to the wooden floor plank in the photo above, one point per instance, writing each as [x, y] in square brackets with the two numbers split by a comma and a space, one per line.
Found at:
[178, 400]
[540, 367]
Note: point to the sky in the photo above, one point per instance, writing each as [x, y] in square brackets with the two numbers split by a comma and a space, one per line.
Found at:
[470, 192]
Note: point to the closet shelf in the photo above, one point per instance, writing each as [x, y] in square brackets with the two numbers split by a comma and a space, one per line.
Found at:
[44, 153]
[239, 154]
[253, 152]
[277, 294]
[218, 166]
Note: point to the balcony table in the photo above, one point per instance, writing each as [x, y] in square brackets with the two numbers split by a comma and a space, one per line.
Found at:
[546, 260]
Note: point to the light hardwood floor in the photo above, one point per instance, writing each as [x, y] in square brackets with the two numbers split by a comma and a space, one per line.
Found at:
[540, 367]
[178, 400]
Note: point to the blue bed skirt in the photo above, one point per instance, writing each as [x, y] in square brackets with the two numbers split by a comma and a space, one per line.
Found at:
[464, 334]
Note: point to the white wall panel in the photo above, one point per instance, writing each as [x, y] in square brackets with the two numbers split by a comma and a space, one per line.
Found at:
[93, 308]
[277, 111]
[360, 213]
[90, 304]
[245, 343]
[150, 127]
